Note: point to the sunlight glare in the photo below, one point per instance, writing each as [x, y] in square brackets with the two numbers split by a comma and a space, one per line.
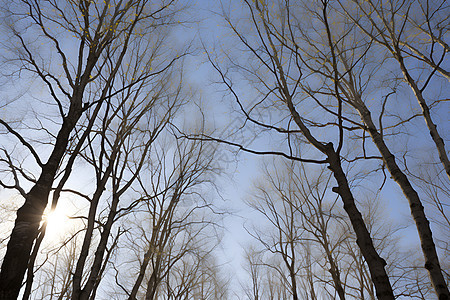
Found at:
[57, 223]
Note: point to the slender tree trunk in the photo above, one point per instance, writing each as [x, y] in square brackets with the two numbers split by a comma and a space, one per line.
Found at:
[334, 268]
[334, 271]
[309, 275]
[152, 284]
[31, 261]
[374, 261]
[291, 267]
[77, 292]
[294, 283]
[141, 275]
[29, 216]
[99, 253]
[417, 209]
[437, 139]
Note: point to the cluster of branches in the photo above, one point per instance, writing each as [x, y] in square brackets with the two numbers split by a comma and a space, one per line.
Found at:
[98, 137]
[305, 247]
[345, 82]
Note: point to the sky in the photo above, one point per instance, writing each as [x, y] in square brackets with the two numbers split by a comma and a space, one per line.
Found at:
[248, 167]
[244, 169]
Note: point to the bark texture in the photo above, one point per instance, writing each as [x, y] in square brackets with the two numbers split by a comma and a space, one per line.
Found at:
[415, 204]
[437, 139]
[374, 261]
[29, 216]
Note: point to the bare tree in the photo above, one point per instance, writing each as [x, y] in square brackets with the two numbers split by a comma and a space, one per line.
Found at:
[276, 72]
[294, 202]
[252, 288]
[265, 281]
[343, 66]
[103, 33]
[172, 235]
[54, 267]
[401, 27]
[128, 130]
[284, 239]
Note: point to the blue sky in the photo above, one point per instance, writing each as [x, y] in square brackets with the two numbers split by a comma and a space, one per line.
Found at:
[242, 169]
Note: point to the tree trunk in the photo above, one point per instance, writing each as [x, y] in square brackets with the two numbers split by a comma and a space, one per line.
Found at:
[437, 139]
[141, 275]
[417, 209]
[374, 261]
[334, 271]
[94, 275]
[77, 292]
[293, 283]
[29, 216]
[152, 284]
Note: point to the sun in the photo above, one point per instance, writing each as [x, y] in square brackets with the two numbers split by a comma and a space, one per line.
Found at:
[57, 223]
